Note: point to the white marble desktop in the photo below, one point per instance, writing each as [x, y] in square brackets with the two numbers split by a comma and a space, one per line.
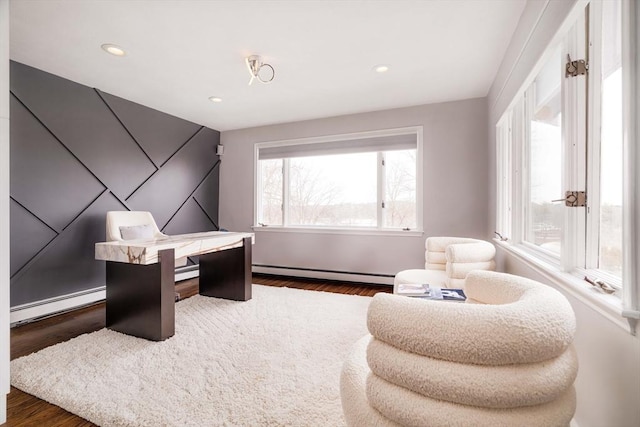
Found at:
[145, 251]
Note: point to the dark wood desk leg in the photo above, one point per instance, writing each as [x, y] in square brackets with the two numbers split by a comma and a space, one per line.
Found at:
[141, 298]
[227, 274]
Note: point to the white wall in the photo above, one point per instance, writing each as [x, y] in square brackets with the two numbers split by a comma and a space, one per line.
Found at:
[455, 188]
[4, 207]
[608, 383]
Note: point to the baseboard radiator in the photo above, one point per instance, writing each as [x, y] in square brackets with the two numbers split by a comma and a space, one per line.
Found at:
[310, 273]
[48, 307]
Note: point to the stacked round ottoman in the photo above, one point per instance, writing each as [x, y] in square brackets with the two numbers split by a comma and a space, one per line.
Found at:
[504, 358]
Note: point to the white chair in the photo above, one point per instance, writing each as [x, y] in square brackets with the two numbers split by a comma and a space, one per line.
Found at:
[504, 358]
[139, 224]
[448, 260]
[129, 225]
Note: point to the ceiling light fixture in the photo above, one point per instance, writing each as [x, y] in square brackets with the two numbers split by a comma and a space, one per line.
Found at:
[255, 67]
[381, 68]
[113, 49]
[215, 99]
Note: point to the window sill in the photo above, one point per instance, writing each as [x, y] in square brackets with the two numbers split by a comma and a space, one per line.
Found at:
[335, 230]
[608, 305]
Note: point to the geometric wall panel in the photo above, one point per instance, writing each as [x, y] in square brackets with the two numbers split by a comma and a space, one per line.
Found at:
[189, 219]
[165, 191]
[159, 134]
[37, 159]
[207, 195]
[79, 118]
[74, 157]
[28, 236]
[68, 261]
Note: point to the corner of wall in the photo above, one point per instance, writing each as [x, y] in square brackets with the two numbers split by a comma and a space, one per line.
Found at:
[4, 207]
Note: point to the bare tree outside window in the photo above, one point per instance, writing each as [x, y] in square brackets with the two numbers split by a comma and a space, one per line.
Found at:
[400, 191]
[334, 190]
[271, 191]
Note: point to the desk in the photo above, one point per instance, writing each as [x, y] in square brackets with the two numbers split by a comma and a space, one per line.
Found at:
[141, 277]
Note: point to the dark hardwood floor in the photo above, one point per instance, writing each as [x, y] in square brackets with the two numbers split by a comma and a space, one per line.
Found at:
[25, 410]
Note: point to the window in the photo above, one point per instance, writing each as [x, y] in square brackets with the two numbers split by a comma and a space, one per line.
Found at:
[357, 181]
[543, 148]
[565, 133]
[607, 216]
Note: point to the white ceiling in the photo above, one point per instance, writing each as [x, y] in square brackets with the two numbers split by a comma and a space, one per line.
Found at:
[179, 53]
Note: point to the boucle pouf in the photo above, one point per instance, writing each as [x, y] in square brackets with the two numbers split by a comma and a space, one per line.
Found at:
[526, 322]
[503, 386]
[412, 409]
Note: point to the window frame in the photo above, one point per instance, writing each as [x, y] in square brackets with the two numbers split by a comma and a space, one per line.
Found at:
[378, 229]
[582, 236]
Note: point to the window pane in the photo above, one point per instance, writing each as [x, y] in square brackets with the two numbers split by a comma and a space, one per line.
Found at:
[337, 190]
[610, 253]
[544, 218]
[400, 191]
[271, 192]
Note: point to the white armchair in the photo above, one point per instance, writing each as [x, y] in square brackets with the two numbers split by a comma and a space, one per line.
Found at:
[128, 225]
[448, 260]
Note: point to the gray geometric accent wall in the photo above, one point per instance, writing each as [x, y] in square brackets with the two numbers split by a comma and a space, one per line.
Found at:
[76, 153]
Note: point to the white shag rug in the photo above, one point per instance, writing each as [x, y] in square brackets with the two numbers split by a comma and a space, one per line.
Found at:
[272, 361]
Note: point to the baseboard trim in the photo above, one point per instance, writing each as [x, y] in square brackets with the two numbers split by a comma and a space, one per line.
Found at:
[51, 306]
[189, 272]
[343, 276]
[3, 407]
[47, 307]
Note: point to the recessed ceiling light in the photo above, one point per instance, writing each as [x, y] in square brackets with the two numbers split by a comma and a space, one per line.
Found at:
[113, 49]
[215, 99]
[381, 68]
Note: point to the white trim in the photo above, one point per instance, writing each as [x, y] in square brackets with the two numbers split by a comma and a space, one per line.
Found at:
[51, 306]
[420, 180]
[3, 409]
[326, 275]
[286, 190]
[520, 170]
[381, 175]
[504, 180]
[609, 306]
[574, 132]
[187, 273]
[334, 230]
[5, 228]
[631, 155]
[338, 137]
[594, 137]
